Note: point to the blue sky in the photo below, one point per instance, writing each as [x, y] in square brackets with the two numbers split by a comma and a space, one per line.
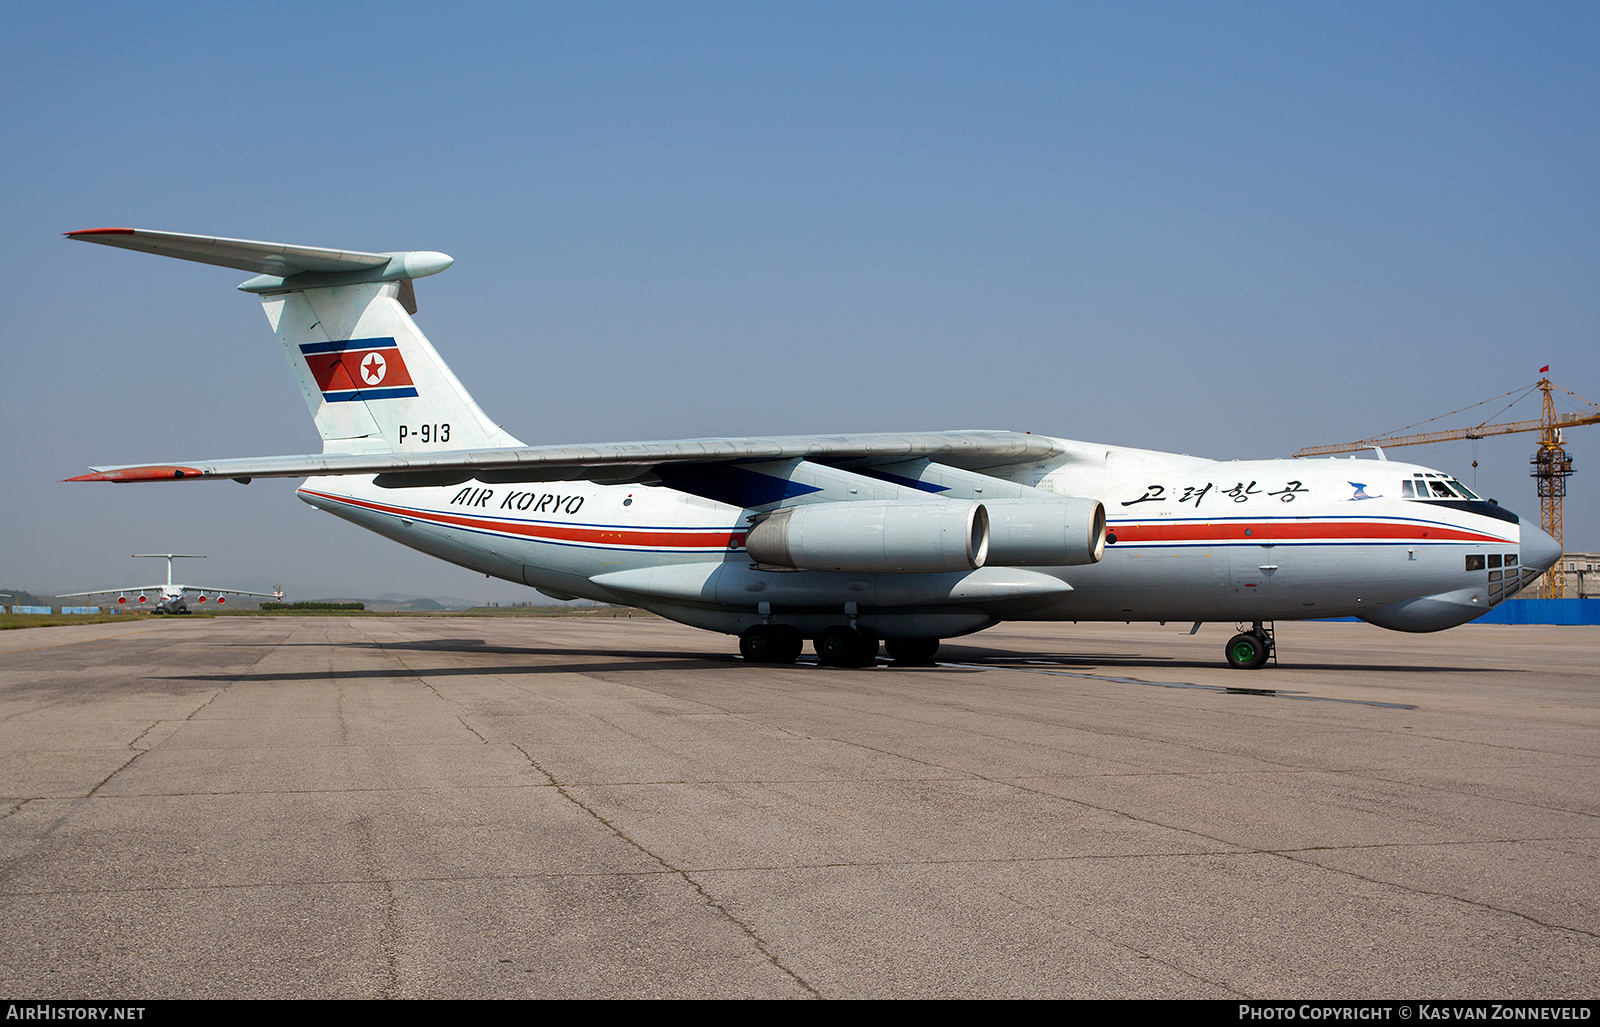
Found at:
[1228, 229]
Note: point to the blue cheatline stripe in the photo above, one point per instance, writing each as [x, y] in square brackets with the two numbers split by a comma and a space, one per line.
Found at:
[309, 348]
[355, 394]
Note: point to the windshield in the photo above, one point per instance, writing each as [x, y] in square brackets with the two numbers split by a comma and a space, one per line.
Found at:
[1435, 486]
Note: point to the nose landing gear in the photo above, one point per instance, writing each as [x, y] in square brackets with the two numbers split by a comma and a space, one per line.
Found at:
[1250, 650]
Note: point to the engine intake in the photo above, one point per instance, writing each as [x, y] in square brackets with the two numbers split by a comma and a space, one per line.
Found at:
[870, 536]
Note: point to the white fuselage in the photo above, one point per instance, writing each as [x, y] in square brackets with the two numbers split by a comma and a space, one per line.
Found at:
[1195, 540]
[848, 540]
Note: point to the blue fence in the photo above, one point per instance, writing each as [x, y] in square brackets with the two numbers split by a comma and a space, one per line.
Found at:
[1531, 611]
[32, 609]
[1544, 611]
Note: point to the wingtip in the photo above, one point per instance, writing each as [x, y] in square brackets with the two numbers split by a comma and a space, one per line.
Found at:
[126, 474]
[98, 231]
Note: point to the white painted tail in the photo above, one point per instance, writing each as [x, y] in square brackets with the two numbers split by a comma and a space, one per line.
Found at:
[371, 378]
[373, 381]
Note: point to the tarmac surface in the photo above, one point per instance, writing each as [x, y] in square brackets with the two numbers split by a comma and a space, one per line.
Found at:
[506, 808]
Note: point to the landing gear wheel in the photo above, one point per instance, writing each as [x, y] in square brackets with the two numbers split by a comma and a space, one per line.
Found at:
[770, 643]
[1247, 651]
[757, 644]
[840, 646]
[912, 650]
[789, 644]
[867, 652]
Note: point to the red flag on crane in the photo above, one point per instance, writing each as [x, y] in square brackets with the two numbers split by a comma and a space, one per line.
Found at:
[1543, 369]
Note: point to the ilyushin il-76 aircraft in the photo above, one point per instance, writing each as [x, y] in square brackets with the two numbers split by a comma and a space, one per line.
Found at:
[171, 597]
[849, 541]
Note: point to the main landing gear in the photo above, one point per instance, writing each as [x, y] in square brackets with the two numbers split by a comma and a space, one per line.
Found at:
[837, 646]
[841, 646]
[1250, 650]
[771, 643]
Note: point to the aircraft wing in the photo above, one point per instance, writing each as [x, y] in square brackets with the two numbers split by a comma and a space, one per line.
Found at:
[108, 591]
[229, 591]
[608, 462]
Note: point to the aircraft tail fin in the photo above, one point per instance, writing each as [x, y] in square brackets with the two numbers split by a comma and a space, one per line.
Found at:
[372, 380]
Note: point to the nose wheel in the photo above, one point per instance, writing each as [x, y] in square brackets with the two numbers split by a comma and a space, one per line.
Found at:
[1250, 650]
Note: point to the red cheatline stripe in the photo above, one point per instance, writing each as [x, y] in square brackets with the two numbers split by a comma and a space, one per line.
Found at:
[1291, 531]
[687, 539]
[100, 231]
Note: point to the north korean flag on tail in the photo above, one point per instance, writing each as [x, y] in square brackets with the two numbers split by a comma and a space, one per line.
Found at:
[358, 369]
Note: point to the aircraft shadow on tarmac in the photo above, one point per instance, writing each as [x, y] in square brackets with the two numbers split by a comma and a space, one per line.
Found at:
[611, 664]
[951, 660]
[1036, 660]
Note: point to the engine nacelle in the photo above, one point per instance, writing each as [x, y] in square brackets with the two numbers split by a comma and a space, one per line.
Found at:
[1057, 533]
[894, 536]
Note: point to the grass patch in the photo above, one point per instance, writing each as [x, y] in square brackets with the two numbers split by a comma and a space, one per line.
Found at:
[56, 620]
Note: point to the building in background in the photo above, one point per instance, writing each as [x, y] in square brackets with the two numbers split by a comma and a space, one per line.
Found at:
[1582, 571]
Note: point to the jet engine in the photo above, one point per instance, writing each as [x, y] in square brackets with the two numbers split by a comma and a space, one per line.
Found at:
[873, 536]
[1058, 533]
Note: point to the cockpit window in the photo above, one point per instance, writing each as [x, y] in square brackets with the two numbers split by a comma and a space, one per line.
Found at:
[1435, 486]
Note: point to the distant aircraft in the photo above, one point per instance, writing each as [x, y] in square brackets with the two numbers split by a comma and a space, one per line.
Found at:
[845, 540]
[170, 598]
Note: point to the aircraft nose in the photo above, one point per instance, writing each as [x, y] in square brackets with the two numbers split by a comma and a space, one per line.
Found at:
[1538, 548]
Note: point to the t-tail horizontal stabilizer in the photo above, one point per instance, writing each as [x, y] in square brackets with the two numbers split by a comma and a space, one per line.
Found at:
[373, 381]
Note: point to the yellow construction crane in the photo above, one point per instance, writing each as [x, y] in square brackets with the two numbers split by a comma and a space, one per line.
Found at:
[1551, 464]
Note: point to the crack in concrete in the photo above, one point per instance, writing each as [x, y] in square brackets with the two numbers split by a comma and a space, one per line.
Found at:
[9, 867]
[388, 929]
[534, 764]
[1237, 847]
[1122, 945]
[1292, 857]
[754, 938]
[711, 903]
